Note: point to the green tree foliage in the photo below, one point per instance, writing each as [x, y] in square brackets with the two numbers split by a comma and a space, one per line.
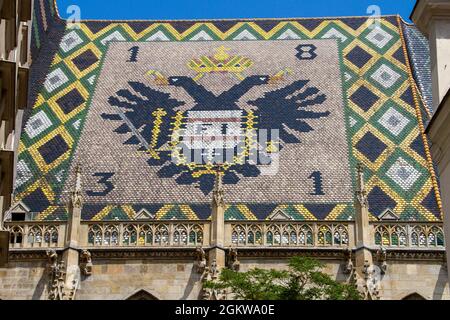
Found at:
[304, 280]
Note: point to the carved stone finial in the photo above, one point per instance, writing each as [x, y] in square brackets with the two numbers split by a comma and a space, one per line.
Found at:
[371, 282]
[218, 190]
[211, 275]
[76, 197]
[200, 257]
[348, 267]
[233, 262]
[382, 257]
[52, 261]
[361, 194]
[86, 263]
[213, 269]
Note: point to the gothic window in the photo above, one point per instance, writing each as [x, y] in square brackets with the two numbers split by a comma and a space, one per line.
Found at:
[95, 236]
[251, 238]
[35, 236]
[195, 237]
[269, 238]
[440, 238]
[414, 239]
[340, 236]
[234, 237]
[241, 239]
[237, 234]
[276, 238]
[324, 236]
[393, 236]
[141, 239]
[305, 236]
[382, 237]
[16, 235]
[402, 239]
[107, 238]
[394, 239]
[129, 235]
[385, 238]
[184, 237]
[435, 237]
[258, 237]
[285, 238]
[418, 237]
[422, 239]
[162, 235]
[256, 231]
[293, 237]
[180, 236]
[378, 238]
[133, 237]
[51, 236]
[176, 237]
[114, 235]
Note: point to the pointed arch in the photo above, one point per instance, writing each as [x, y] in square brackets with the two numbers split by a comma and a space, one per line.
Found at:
[414, 296]
[142, 295]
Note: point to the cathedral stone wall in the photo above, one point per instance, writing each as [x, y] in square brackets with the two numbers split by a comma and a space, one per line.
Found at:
[110, 280]
[120, 279]
[427, 278]
[23, 281]
[178, 279]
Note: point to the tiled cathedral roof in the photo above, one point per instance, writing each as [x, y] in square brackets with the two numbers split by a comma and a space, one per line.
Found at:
[419, 53]
[113, 94]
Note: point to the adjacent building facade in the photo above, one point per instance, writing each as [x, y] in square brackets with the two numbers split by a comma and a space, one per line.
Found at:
[433, 19]
[125, 188]
[15, 59]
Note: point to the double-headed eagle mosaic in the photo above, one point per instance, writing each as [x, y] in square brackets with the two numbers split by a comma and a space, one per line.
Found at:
[149, 115]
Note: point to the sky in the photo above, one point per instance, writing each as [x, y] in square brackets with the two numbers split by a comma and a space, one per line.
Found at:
[226, 9]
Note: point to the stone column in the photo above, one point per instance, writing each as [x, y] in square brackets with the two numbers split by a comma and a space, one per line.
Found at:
[217, 252]
[364, 239]
[71, 253]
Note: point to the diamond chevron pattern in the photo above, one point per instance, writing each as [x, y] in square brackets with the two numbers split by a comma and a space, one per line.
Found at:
[334, 34]
[379, 37]
[394, 121]
[385, 76]
[37, 124]
[404, 174]
[364, 98]
[70, 41]
[371, 147]
[372, 74]
[115, 36]
[358, 56]
[55, 79]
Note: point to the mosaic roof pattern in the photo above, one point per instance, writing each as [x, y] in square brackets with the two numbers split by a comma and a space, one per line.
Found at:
[360, 107]
[419, 52]
[45, 17]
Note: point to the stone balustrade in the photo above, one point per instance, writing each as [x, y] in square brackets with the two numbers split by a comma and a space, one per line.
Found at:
[24, 235]
[292, 234]
[412, 235]
[301, 234]
[151, 234]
